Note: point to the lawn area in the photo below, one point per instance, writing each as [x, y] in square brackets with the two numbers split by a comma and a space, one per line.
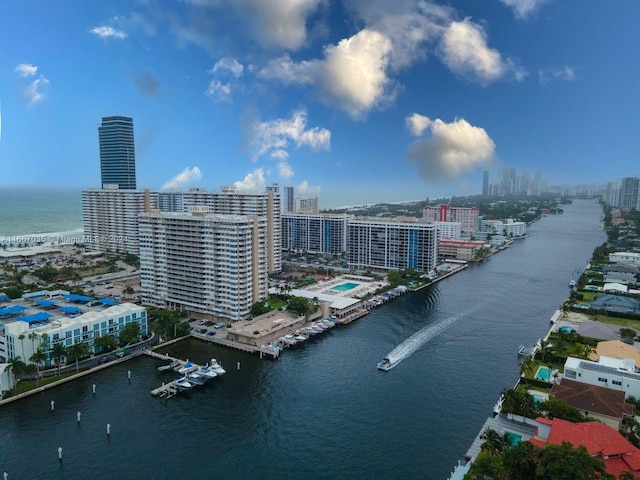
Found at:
[588, 296]
[276, 303]
[622, 322]
[26, 385]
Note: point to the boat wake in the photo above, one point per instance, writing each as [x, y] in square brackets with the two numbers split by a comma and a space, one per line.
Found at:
[418, 339]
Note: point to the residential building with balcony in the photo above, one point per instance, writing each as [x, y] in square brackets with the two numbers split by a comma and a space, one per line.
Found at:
[321, 233]
[467, 217]
[207, 264]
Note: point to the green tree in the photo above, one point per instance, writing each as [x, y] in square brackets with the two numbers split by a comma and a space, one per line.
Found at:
[259, 308]
[130, 333]
[106, 343]
[77, 351]
[563, 462]
[58, 352]
[629, 333]
[520, 461]
[519, 402]
[14, 292]
[38, 358]
[128, 292]
[487, 466]
[493, 442]
[17, 366]
[299, 305]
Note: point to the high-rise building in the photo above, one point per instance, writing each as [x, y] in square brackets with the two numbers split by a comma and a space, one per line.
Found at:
[467, 217]
[485, 182]
[110, 218]
[117, 152]
[629, 192]
[321, 233]
[390, 245]
[287, 200]
[203, 263]
[307, 205]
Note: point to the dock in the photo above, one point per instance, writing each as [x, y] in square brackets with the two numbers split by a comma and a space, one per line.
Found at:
[166, 390]
[243, 347]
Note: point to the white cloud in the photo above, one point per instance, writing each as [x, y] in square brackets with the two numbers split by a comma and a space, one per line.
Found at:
[451, 149]
[284, 169]
[465, 51]
[227, 65]
[34, 92]
[219, 91]
[307, 190]
[25, 70]
[523, 8]
[107, 32]
[565, 73]
[275, 136]
[352, 76]
[183, 179]
[253, 182]
[417, 124]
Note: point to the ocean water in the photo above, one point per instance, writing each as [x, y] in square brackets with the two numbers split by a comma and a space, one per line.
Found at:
[322, 410]
[29, 215]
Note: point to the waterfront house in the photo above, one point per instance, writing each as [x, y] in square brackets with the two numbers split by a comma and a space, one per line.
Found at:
[598, 403]
[601, 441]
[625, 257]
[615, 349]
[613, 373]
[616, 303]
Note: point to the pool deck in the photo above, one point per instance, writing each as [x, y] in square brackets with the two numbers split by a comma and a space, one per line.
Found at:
[501, 425]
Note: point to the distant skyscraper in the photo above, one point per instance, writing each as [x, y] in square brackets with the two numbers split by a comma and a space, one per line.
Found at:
[485, 182]
[117, 152]
[629, 192]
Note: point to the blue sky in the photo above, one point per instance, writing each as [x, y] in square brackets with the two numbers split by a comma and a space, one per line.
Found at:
[356, 101]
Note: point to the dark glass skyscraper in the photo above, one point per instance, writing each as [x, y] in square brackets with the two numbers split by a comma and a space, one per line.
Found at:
[117, 152]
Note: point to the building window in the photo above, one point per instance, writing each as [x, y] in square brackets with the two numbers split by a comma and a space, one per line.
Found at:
[616, 382]
[601, 379]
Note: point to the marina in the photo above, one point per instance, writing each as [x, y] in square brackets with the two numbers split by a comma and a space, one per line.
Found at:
[271, 413]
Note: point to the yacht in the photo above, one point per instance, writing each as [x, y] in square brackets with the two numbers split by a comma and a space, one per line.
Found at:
[188, 368]
[572, 283]
[194, 378]
[328, 323]
[206, 372]
[300, 337]
[321, 325]
[309, 330]
[216, 367]
[288, 340]
[182, 384]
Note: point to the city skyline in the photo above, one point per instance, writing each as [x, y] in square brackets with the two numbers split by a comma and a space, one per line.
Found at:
[354, 102]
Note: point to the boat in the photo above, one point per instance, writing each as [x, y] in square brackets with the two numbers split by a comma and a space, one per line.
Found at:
[288, 340]
[321, 326]
[309, 331]
[572, 283]
[385, 364]
[301, 338]
[168, 364]
[188, 368]
[216, 367]
[195, 379]
[182, 384]
[206, 372]
[328, 323]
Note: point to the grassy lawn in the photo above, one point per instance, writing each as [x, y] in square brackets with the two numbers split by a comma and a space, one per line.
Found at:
[26, 385]
[588, 296]
[622, 322]
[276, 303]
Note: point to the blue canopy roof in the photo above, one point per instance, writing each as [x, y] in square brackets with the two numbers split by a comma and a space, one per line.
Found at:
[46, 303]
[77, 298]
[70, 310]
[12, 310]
[37, 317]
[31, 296]
[4, 297]
[107, 301]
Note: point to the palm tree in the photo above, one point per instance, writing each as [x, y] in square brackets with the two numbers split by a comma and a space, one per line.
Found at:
[57, 352]
[77, 351]
[21, 338]
[38, 357]
[526, 367]
[493, 442]
[32, 336]
[17, 366]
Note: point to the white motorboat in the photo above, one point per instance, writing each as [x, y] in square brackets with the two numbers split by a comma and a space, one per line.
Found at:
[206, 372]
[328, 323]
[321, 325]
[182, 384]
[301, 338]
[195, 379]
[309, 330]
[216, 367]
[168, 364]
[288, 340]
[187, 368]
[385, 364]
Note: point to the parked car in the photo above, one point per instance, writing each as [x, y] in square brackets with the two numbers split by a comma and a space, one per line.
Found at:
[211, 333]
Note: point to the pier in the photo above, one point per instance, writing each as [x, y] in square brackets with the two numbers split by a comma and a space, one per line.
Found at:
[166, 390]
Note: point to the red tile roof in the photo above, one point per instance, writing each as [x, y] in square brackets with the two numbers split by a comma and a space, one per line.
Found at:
[599, 440]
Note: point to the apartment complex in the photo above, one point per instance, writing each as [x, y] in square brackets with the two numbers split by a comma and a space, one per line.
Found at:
[286, 194]
[508, 227]
[110, 218]
[204, 263]
[467, 217]
[458, 249]
[321, 233]
[387, 244]
[117, 152]
[52, 329]
[307, 205]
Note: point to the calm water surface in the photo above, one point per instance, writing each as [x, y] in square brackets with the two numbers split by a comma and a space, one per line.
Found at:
[323, 410]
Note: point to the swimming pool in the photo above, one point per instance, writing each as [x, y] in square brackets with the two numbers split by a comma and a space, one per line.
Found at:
[543, 373]
[537, 398]
[344, 286]
[514, 438]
